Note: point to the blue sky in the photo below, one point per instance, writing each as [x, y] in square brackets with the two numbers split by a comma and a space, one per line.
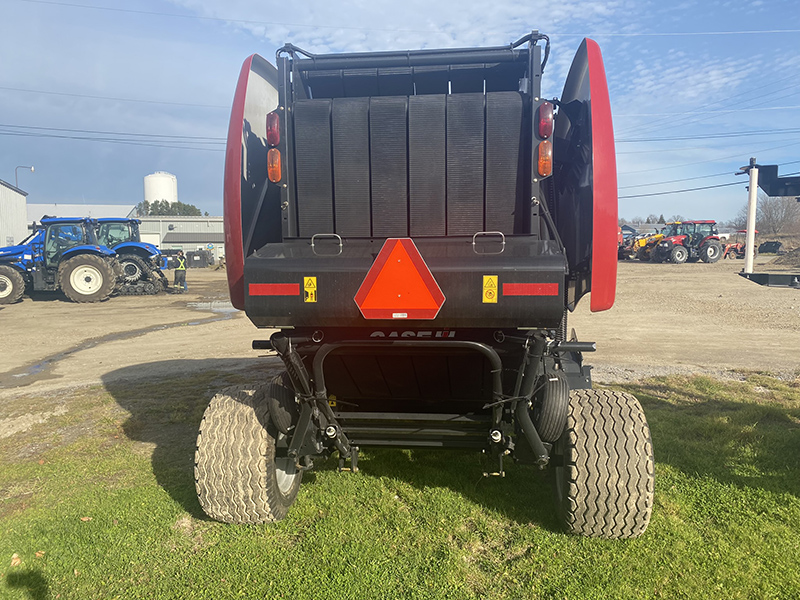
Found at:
[696, 87]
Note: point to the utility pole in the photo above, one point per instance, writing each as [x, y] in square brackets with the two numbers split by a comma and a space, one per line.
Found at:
[752, 199]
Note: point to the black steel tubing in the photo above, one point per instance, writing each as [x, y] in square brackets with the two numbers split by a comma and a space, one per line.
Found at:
[524, 419]
[411, 58]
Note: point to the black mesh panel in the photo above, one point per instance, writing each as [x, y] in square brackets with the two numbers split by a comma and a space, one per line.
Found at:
[503, 131]
[351, 165]
[426, 164]
[388, 134]
[465, 124]
[312, 138]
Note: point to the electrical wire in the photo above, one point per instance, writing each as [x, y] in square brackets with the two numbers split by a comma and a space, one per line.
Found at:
[116, 99]
[707, 187]
[350, 27]
[127, 133]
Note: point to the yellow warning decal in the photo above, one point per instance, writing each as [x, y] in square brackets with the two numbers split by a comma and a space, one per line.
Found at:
[490, 289]
[310, 288]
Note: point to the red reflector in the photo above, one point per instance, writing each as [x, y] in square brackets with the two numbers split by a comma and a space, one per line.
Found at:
[273, 129]
[545, 120]
[399, 285]
[274, 289]
[530, 289]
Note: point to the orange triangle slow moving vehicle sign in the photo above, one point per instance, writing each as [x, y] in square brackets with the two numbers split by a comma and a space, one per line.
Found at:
[399, 285]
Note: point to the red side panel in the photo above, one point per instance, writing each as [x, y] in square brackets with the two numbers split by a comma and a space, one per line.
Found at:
[585, 176]
[234, 252]
[604, 169]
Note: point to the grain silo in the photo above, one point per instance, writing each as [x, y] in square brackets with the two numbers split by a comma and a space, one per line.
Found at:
[160, 186]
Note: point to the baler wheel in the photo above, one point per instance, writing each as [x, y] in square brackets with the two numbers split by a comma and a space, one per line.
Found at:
[282, 402]
[550, 409]
[242, 473]
[12, 285]
[604, 484]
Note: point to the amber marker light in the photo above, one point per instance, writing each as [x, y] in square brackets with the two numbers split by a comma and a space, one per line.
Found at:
[274, 165]
[545, 161]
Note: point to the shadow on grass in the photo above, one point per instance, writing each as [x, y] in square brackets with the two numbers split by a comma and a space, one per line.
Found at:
[167, 413]
[741, 433]
[31, 581]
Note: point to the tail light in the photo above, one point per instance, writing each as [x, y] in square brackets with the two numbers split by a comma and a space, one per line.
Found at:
[273, 129]
[545, 161]
[545, 120]
[274, 165]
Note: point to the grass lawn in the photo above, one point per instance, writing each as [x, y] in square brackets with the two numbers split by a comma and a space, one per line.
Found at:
[99, 502]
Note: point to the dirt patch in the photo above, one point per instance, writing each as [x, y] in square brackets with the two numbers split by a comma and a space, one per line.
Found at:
[790, 259]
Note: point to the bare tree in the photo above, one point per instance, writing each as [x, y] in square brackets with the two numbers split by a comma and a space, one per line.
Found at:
[777, 214]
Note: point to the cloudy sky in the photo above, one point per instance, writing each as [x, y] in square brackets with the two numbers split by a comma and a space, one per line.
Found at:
[96, 94]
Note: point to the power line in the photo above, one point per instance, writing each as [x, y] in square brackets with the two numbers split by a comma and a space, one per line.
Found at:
[208, 140]
[708, 136]
[117, 99]
[350, 27]
[104, 140]
[224, 20]
[708, 187]
[711, 160]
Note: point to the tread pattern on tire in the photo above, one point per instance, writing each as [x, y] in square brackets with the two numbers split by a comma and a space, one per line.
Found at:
[232, 461]
[607, 480]
[17, 284]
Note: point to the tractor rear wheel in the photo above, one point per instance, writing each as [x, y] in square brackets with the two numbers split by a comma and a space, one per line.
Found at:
[12, 285]
[643, 255]
[711, 251]
[242, 472]
[679, 255]
[604, 482]
[86, 278]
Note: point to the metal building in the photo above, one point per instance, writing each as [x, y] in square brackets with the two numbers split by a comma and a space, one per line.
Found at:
[13, 217]
[185, 233]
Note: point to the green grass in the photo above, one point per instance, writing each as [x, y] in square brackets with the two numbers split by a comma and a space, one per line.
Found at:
[411, 524]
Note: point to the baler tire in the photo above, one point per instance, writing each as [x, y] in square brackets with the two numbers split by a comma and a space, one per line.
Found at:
[238, 477]
[550, 409]
[282, 403]
[711, 252]
[604, 484]
[12, 285]
[98, 278]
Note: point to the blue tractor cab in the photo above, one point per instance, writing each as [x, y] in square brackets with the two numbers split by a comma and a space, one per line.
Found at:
[61, 254]
[141, 262]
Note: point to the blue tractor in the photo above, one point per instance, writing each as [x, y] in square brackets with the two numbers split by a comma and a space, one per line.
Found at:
[141, 262]
[61, 254]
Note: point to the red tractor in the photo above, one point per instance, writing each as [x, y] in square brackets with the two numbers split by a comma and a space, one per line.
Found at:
[689, 241]
[417, 226]
[736, 249]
